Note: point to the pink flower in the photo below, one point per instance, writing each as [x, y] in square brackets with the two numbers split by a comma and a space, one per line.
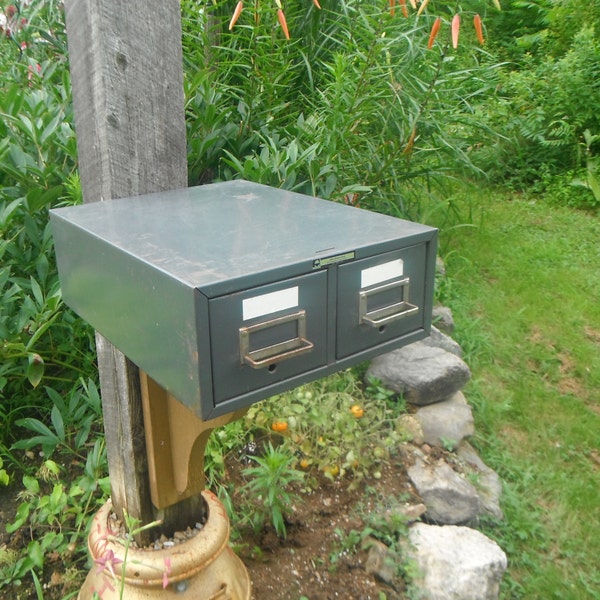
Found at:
[108, 561]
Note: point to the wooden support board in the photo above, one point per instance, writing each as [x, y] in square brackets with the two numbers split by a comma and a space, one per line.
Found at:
[127, 78]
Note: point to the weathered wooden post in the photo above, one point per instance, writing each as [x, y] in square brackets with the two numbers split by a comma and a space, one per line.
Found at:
[127, 78]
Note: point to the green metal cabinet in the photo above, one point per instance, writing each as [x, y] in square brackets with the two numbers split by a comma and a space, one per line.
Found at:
[231, 292]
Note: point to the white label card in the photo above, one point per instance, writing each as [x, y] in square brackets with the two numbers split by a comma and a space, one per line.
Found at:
[265, 304]
[381, 273]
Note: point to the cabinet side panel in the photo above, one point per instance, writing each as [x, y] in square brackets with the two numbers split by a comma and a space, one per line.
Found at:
[141, 310]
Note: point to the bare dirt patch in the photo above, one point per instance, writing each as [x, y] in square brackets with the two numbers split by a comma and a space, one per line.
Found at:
[311, 563]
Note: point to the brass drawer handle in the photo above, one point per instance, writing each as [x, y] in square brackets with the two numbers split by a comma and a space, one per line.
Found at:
[270, 355]
[391, 312]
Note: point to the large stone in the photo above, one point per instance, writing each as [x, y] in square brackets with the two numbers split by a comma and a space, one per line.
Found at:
[456, 563]
[421, 373]
[446, 423]
[450, 499]
[487, 482]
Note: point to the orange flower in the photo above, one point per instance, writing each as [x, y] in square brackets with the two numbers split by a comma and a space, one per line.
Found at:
[404, 9]
[434, 31]
[455, 30]
[357, 411]
[304, 463]
[283, 23]
[478, 28]
[279, 426]
[392, 7]
[236, 14]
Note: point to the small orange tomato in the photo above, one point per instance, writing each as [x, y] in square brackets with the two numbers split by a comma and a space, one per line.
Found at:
[279, 426]
[331, 470]
[357, 411]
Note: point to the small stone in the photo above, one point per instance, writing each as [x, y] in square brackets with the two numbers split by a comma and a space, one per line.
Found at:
[488, 483]
[443, 319]
[450, 499]
[380, 561]
[439, 339]
[446, 422]
[168, 544]
[409, 513]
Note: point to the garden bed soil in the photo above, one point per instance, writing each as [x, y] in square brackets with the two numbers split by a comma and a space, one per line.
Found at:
[310, 563]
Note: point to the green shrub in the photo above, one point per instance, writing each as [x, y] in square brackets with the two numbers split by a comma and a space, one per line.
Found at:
[353, 108]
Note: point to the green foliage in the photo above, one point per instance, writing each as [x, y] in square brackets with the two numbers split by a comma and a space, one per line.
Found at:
[40, 339]
[545, 103]
[269, 486]
[308, 124]
[54, 511]
[4, 476]
[335, 426]
[71, 422]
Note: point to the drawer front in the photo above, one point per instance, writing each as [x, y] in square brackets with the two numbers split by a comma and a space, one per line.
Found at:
[380, 298]
[267, 334]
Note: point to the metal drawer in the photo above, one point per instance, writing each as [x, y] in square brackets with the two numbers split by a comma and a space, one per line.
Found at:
[267, 334]
[380, 299]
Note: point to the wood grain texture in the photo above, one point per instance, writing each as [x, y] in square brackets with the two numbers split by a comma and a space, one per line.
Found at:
[127, 77]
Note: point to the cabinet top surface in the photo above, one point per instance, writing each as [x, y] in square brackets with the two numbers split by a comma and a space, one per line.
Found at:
[220, 231]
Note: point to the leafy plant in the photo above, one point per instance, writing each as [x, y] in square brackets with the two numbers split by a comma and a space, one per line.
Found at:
[71, 421]
[334, 426]
[269, 485]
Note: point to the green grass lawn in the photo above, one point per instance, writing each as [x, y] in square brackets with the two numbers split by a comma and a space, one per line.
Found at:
[525, 291]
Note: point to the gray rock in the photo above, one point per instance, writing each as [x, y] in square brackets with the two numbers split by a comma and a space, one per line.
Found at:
[410, 429]
[456, 563]
[405, 513]
[423, 374]
[381, 562]
[488, 483]
[443, 319]
[450, 499]
[443, 341]
[447, 422]
[440, 266]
